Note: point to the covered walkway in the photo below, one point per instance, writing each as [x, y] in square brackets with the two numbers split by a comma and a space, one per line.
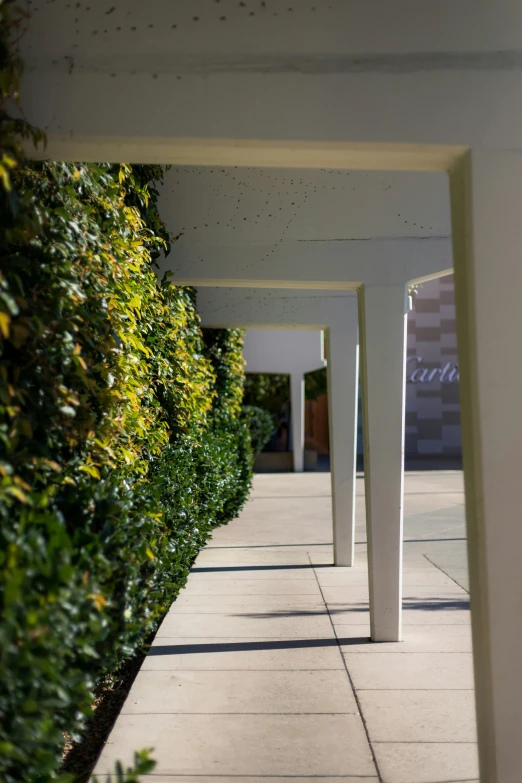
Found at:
[263, 669]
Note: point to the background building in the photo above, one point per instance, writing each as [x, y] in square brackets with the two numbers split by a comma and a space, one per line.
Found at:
[432, 381]
[432, 388]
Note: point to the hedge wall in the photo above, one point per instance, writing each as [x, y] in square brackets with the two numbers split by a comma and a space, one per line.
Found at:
[122, 444]
[261, 426]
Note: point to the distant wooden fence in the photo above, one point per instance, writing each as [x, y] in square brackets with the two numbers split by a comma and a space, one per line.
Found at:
[316, 425]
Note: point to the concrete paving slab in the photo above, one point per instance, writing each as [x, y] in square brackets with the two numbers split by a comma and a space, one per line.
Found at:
[321, 558]
[413, 563]
[334, 595]
[429, 616]
[459, 575]
[238, 745]
[419, 578]
[410, 563]
[247, 609]
[250, 572]
[252, 556]
[424, 591]
[276, 586]
[321, 547]
[280, 692]
[251, 633]
[427, 763]
[172, 654]
[278, 522]
[270, 612]
[339, 594]
[419, 716]
[359, 629]
[334, 578]
[463, 582]
[256, 779]
[412, 671]
[266, 626]
[344, 593]
[209, 602]
[426, 576]
[415, 639]
[454, 552]
[303, 485]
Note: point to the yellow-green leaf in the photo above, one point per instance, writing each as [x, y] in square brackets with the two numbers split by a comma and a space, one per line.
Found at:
[91, 470]
[5, 321]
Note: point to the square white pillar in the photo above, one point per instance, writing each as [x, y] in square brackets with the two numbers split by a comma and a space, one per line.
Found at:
[382, 318]
[343, 377]
[486, 194]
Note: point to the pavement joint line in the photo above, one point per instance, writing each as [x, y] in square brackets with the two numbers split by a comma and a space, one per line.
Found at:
[453, 492]
[298, 714]
[426, 742]
[272, 777]
[444, 529]
[293, 497]
[409, 652]
[266, 546]
[356, 697]
[446, 573]
[341, 623]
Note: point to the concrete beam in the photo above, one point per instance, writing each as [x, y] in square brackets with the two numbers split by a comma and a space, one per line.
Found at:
[140, 82]
[344, 264]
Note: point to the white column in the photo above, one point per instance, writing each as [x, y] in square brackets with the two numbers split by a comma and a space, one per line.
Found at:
[297, 400]
[382, 318]
[486, 194]
[343, 375]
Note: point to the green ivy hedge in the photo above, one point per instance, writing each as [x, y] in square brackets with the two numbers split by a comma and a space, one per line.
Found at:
[261, 426]
[122, 443]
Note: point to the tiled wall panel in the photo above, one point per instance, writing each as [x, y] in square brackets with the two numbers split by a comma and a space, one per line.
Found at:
[432, 407]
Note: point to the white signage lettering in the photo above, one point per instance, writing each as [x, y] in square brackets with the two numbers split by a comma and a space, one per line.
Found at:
[447, 374]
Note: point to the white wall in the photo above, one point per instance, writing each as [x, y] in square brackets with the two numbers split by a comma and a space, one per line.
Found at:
[283, 351]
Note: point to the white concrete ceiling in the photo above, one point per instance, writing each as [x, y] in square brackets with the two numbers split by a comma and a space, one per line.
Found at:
[248, 205]
[277, 225]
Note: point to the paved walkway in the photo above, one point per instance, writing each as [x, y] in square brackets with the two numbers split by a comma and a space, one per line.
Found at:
[262, 671]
